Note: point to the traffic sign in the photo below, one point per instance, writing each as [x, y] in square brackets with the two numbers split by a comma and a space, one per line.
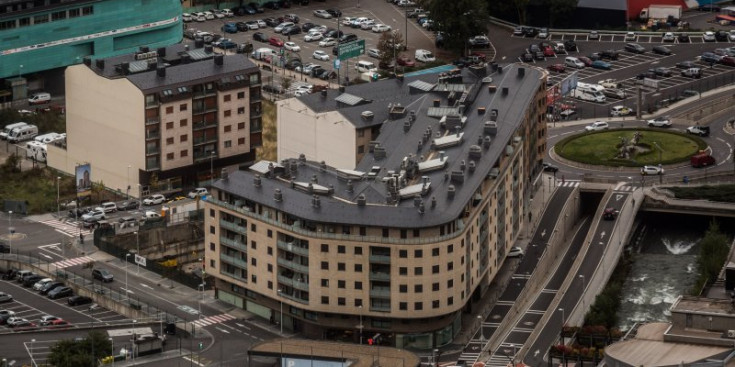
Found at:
[337, 62]
[351, 49]
[140, 260]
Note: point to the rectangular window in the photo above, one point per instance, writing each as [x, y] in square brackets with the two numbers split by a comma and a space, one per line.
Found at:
[363, 231]
[270, 268]
[184, 153]
[169, 156]
[416, 233]
[40, 19]
[241, 110]
[340, 249]
[87, 10]
[435, 269]
[211, 229]
[212, 246]
[418, 254]
[169, 125]
[227, 97]
[404, 234]
[228, 128]
[403, 306]
[170, 110]
[325, 282]
[403, 288]
[240, 141]
[435, 252]
[25, 22]
[253, 245]
[435, 286]
[403, 270]
[169, 141]
[183, 122]
[228, 143]
[418, 306]
[450, 249]
[252, 227]
[212, 213]
[325, 300]
[418, 288]
[73, 13]
[325, 265]
[240, 95]
[358, 285]
[340, 266]
[270, 285]
[358, 250]
[418, 271]
[435, 303]
[341, 301]
[184, 138]
[358, 268]
[270, 250]
[212, 264]
[450, 301]
[59, 15]
[240, 125]
[325, 247]
[228, 113]
[253, 261]
[270, 233]
[403, 254]
[386, 232]
[183, 107]
[341, 284]
[358, 302]
[450, 266]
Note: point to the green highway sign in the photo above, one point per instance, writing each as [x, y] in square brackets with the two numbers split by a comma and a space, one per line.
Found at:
[351, 49]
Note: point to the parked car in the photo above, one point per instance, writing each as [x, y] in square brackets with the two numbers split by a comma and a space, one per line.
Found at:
[543, 33]
[405, 61]
[46, 320]
[321, 13]
[313, 36]
[373, 52]
[60, 292]
[334, 12]
[683, 38]
[260, 36]
[5, 315]
[199, 191]
[630, 36]
[609, 54]
[16, 322]
[708, 36]
[103, 275]
[686, 65]
[94, 215]
[108, 207]
[320, 55]
[78, 300]
[620, 110]
[669, 37]
[41, 283]
[570, 45]
[661, 71]
[155, 199]
[129, 205]
[596, 126]
[31, 280]
[4, 297]
[610, 214]
[661, 50]
[326, 42]
[599, 64]
[230, 27]
[515, 251]
[480, 41]
[659, 122]
[692, 73]
[652, 170]
[292, 46]
[635, 48]
[559, 68]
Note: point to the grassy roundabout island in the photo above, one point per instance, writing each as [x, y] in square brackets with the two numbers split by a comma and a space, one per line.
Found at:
[605, 148]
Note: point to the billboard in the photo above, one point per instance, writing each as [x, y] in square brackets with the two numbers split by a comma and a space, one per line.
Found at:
[83, 179]
[568, 84]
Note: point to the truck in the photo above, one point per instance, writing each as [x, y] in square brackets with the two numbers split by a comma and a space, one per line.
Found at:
[147, 344]
[702, 159]
[661, 12]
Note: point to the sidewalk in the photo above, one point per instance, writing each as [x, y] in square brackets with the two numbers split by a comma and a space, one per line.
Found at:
[470, 323]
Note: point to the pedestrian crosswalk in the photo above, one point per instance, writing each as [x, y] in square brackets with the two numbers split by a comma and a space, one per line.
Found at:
[213, 320]
[568, 183]
[72, 262]
[626, 188]
[69, 229]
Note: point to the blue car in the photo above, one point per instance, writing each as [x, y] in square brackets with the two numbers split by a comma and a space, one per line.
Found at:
[599, 64]
[229, 28]
[710, 57]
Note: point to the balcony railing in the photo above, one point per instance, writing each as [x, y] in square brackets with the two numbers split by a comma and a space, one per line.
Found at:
[205, 139]
[234, 244]
[382, 259]
[153, 134]
[233, 227]
[152, 150]
[296, 229]
[292, 265]
[153, 121]
[379, 276]
[380, 292]
[299, 300]
[234, 261]
[304, 286]
[380, 308]
[203, 125]
[288, 246]
[232, 275]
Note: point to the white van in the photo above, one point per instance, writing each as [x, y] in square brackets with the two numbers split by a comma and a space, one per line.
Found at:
[264, 53]
[589, 92]
[364, 66]
[8, 128]
[48, 138]
[573, 62]
[36, 150]
[39, 98]
[424, 56]
[23, 133]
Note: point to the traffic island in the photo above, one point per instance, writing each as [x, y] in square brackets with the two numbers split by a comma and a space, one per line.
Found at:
[629, 147]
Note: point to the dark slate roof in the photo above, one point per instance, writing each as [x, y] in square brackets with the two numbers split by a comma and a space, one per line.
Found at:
[603, 4]
[201, 68]
[341, 206]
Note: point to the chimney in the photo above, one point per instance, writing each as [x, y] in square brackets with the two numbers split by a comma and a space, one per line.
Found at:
[198, 42]
[161, 52]
[125, 68]
[521, 72]
[219, 59]
[100, 64]
[161, 71]
[361, 201]
[505, 91]
[277, 195]
[208, 49]
[185, 58]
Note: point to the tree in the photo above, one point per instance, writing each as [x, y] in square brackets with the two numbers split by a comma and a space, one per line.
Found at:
[458, 20]
[84, 352]
[713, 251]
[388, 45]
[521, 6]
[560, 11]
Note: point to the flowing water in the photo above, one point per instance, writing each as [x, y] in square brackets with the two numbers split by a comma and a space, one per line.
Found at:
[664, 266]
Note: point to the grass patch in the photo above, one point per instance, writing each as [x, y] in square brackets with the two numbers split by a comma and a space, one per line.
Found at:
[721, 193]
[601, 148]
[268, 150]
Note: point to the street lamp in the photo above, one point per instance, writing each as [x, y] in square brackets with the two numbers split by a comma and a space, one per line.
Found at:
[137, 249]
[563, 321]
[126, 276]
[58, 205]
[280, 299]
[482, 331]
[140, 196]
[211, 166]
[10, 230]
[201, 296]
[581, 276]
[127, 188]
[33, 361]
[112, 351]
[360, 326]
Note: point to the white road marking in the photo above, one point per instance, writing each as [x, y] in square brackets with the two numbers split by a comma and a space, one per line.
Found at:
[222, 330]
[602, 235]
[145, 285]
[193, 361]
[242, 326]
[44, 255]
[127, 290]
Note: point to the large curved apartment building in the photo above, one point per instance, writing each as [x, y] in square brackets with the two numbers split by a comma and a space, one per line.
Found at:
[39, 35]
[395, 246]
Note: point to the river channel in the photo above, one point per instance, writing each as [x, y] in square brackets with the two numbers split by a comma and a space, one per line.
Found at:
[665, 249]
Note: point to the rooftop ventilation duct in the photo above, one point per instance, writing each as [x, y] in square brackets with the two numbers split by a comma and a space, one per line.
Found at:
[379, 153]
[278, 195]
[479, 70]
[161, 71]
[486, 142]
[475, 152]
[396, 111]
[198, 42]
[322, 167]
[457, 176]
[412, 116]
[451, 190]
[406, 126]
[361, 201]
[422, 209]
[492, 88]
[315, 201]
[219, 60]
[505, 91]
[185, 59]
[437, 103]
[367, 115]
[314, 179]
[433, 202]
[302, 158]
[349, 186]
[500, 69]
[471, 166]
[256, 181]
[490, 128]
[521, 72]
[494, 114]
[144, 49]
[324, 93]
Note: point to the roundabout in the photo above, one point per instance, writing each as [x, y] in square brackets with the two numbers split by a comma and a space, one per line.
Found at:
[632, 147]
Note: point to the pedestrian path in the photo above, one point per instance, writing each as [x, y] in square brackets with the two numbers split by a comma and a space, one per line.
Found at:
[217, 319]
[72, 262]
[70, 229]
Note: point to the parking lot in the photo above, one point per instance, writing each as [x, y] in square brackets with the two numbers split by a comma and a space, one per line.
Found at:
[394, 19]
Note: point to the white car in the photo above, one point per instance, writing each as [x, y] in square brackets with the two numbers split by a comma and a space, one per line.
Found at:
[652, 170]
[327, 41]
[150, 214]
[41, 283]
[305, 68]
[368, 24]
[347, 20]
[320, 55]
[515, 251]
[731, 35]
[596, 126]
[94, 215]
[261, 23]
[199, 191]
[321, 13]
[291, 46]
[316, 36]
[186, 17]
[199, 17]
[253, 25]
[669, 37]
[630, 36]
[659, 122]
[154, 199]
[709, 36]
[620, 110]
[208, 15]
[279, 28]
[228, 13]
[379, 28]
[219, 14]
[373, 52]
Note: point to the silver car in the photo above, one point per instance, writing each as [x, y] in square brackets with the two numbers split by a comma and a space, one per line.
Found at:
[373, 52]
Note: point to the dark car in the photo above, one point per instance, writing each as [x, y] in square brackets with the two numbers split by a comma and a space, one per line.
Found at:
[635, 48]
[60, 292]
[128, 205]
[258, 8]
[609, 214]
[683, 38]
[660, 71]
[292, 64]
[49, 287]
[709, 7]
[686, 65]
[271, 22]
[5, 315]
[79, 212]
[527, 57]
[570, 45]
[728, 60]
[333, 33]
[31, 280]
[529, 31]
[78, 300]
[230, 28]
[349, 37]
[292, 18]
[405, 61]
[610, 54]
[242, 26]
[103, 275]
[326, 74]
[271, 5]
[306, 26]
[291, 30]
[548, 167]
[721, 36]
[284, 4]
[661, 50]
[315, 71]
[334, 12]
[260, 36]
[710, 57]
[559, 68]
[4, 249]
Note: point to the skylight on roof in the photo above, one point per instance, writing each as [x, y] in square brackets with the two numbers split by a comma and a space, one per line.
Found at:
[138, 66]
[349, 99]
[442, 111]
[421, 85]
[200, 54]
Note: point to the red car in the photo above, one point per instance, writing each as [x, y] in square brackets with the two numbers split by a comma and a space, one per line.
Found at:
[548, 51]
[478, 56]
[728, 60]
[275, 41]
[559, 68]
[585, 60]
[405, 61]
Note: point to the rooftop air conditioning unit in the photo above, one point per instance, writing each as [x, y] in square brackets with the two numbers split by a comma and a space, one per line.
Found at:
[731, 334]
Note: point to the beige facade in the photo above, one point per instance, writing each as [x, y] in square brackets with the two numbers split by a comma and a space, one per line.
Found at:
[326, 136]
